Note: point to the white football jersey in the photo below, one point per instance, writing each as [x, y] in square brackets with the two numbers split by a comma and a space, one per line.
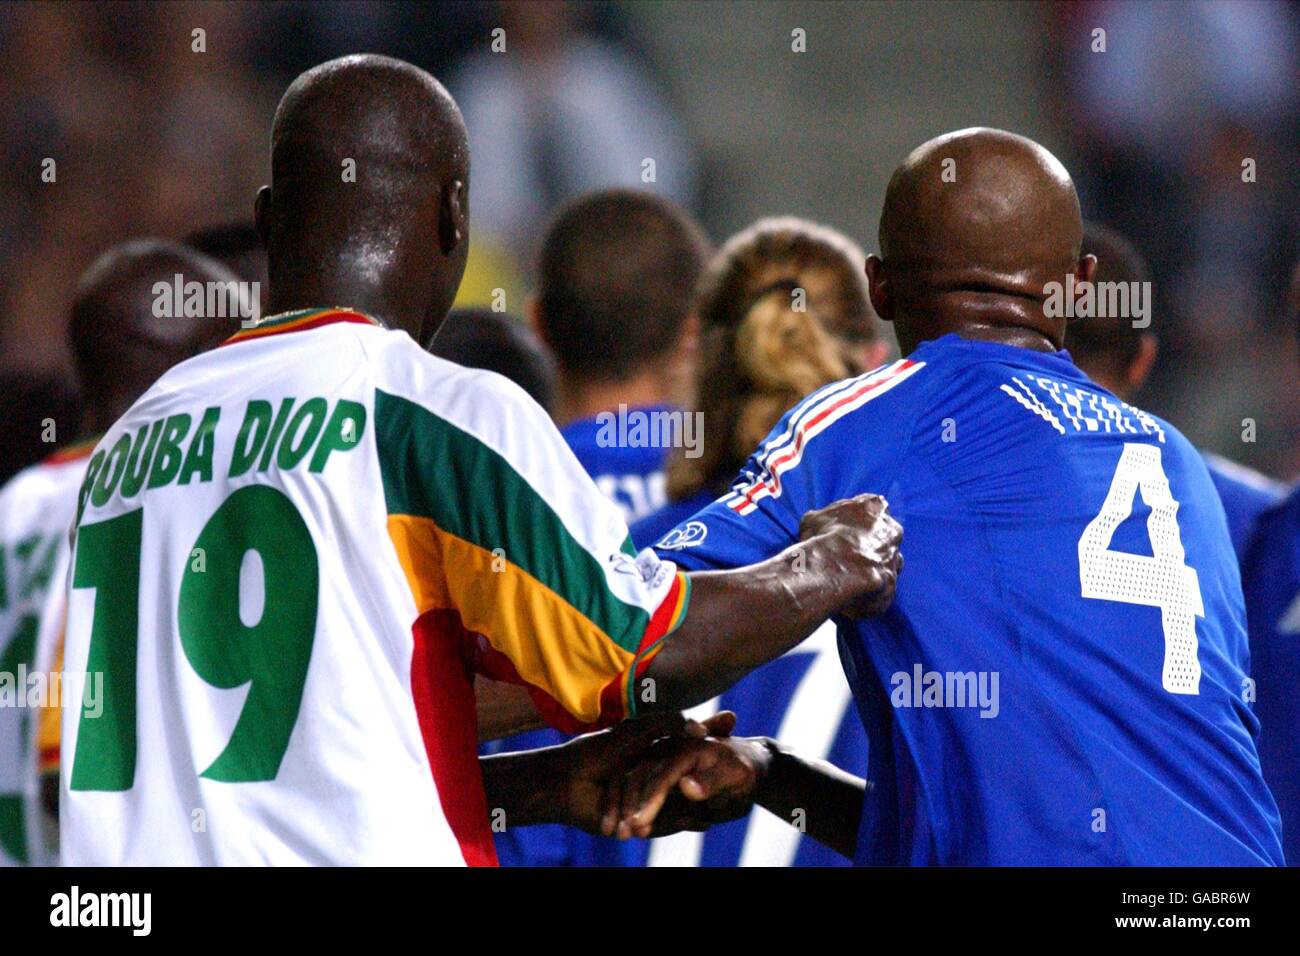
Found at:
[36, 511]
[44, 728]
[292, 555]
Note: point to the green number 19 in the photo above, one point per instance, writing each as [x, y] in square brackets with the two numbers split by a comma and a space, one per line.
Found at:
[271, 656]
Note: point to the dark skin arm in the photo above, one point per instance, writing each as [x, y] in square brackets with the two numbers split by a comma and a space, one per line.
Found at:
[503, 709]
[568, 783]
[738, 620]
[846, 561]
[830, 800]
[699, 782]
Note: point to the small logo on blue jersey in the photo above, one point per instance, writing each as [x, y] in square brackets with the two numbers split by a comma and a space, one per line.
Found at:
[687, 536]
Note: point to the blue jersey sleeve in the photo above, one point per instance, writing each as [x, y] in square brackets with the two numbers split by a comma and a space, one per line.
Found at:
[842, 438]
[1245, 495]
[1271, 578]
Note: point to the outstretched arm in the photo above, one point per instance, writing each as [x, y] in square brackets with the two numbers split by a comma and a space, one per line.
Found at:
[847, 560]
[826, 798]
[568, 783]
[503, 709]
[691, 784]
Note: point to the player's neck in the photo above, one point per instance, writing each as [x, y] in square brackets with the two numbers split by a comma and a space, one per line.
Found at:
[1020, 337]
[983, 316]
[578, 399]
[1111, 383]
[368, 300]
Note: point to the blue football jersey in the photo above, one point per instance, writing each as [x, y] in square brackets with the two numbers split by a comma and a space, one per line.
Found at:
[1270, 574]
[801, 698]
[624, 457]
[1245, 495]
[650, 529]
[1061, 678]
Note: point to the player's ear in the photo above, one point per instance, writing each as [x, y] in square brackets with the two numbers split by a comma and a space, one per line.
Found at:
[683, 361]
[1142, 362]
[1086, 269]
[688, 346]
[878, 287]
[877, 353]
[262, 214]
[453, 216]
[533, 317]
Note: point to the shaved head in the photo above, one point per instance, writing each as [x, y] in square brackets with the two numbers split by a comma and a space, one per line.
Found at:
[975, 224]
[368, 202]
[119, 342]
[1116, 355]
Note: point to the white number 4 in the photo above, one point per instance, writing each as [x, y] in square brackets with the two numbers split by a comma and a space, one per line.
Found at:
[1162, 580]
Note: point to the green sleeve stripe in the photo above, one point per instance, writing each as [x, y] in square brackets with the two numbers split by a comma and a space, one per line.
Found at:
[432, 469]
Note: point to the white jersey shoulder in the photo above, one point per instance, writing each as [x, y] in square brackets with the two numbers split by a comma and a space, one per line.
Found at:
[36, 511]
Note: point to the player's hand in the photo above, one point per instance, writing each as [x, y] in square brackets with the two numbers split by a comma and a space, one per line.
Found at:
[594, 764]
[861, 541]
[687, 784]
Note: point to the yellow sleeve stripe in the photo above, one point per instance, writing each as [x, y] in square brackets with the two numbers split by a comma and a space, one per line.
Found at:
[572, 660]
[49, 724]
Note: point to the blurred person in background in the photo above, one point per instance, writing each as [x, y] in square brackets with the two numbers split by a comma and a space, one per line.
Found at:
[784, 310]
[614, 304]
[554, 110]
[115, 124]
[614, 300]
[1119, 356]
[1270, 574]
[121, 346]
[1185, 121]
[238, 247]
[39, 409]
[501, 343]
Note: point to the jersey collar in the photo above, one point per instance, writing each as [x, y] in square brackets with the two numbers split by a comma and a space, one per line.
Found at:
[299, 321]
[81, 448]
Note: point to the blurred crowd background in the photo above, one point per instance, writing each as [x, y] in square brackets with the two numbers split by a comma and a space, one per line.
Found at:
[151, 137]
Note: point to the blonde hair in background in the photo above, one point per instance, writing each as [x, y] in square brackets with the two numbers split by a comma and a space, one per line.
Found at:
[784, 310]
[784, 353]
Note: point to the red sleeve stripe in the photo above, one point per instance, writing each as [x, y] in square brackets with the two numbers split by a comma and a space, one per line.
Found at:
[747, 498]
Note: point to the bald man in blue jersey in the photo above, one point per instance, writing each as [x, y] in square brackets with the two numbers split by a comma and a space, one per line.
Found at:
[1062, 677]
